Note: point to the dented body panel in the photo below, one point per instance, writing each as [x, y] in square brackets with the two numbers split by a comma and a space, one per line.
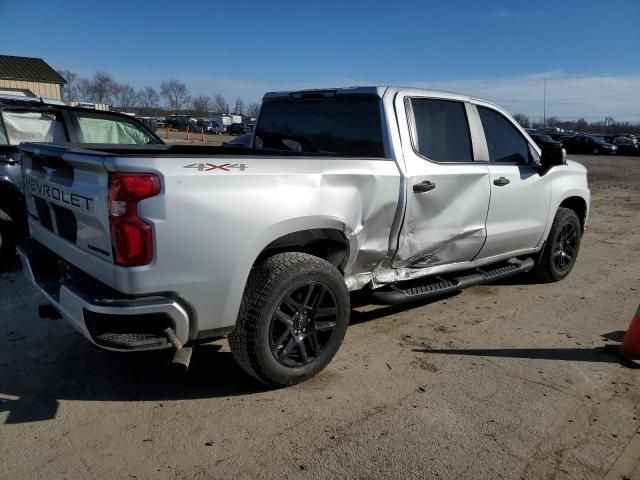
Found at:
[216, 214]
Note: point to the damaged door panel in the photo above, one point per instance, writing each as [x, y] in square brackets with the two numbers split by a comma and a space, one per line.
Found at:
[447, 224]
[447, 193]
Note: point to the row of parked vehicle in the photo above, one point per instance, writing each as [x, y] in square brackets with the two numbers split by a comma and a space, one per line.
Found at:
[205, 125]
[588, 143]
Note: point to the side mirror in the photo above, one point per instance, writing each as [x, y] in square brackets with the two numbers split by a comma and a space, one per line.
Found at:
[552, 156]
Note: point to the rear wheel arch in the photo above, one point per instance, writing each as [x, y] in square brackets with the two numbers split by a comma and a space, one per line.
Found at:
[325, 243]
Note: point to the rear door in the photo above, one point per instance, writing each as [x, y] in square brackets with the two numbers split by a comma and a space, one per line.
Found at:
[447, 191]
[520, 195]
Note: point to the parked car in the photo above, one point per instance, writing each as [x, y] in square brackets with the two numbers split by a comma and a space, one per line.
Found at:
[24, 119]
[587, 144]
[177, 122]
[545, 141]
[626, 146]
[379, 189]
[208, 127]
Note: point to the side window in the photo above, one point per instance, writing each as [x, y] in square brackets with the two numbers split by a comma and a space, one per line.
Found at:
[101, 129]
[33, 127]
[505, 142]
[441, 130]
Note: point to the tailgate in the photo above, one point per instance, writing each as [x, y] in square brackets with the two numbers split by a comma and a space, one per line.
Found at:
[67, 201]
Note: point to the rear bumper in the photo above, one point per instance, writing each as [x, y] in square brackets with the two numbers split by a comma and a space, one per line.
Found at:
[107, 318]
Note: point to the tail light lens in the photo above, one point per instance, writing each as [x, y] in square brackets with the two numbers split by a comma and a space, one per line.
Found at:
[131, 237]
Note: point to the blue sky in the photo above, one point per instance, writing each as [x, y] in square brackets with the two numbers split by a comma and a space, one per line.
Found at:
[589, 51]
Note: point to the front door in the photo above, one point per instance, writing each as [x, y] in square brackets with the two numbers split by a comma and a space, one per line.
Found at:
[447, 192]
[520, 194]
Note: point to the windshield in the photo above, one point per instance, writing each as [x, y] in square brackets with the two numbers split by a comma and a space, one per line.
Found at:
[344, 125]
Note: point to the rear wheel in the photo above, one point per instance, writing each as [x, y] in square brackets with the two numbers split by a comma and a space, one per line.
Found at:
[292, 319]
[561, 248]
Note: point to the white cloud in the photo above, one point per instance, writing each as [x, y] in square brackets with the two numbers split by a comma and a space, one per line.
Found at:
[500, 12]
[592, 97]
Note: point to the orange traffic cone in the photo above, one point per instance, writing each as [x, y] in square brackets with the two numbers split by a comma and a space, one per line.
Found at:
[629, 350]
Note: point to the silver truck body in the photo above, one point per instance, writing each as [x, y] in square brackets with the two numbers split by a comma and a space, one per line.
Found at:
[216, 215]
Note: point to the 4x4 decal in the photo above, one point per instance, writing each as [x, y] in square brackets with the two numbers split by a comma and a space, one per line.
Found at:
[206, 167]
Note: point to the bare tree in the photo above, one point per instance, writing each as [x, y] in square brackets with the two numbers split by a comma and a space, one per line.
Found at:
[148, 98]
[522, 119]
[125, 96]
[253, 109]
[175, 93]
[201, 104]
[69, 89]
[102, 87]
[239, 110]
[219, 104]
[84, 90]
[552, 122]
[581, 125]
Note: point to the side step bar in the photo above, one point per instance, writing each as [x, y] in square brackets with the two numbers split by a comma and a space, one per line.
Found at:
[436, 287]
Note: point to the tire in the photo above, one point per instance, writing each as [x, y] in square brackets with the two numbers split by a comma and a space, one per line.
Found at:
[7, 243]
[561, 248]
[596, 151]
[279, 341]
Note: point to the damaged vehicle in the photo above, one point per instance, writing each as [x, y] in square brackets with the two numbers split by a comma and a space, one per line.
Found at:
[33, 119]
[405, 194]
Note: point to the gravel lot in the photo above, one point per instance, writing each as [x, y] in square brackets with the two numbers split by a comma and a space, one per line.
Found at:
[501, 381]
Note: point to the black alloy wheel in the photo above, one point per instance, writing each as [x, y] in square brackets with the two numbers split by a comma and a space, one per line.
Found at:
[302, 324]
[565, 247]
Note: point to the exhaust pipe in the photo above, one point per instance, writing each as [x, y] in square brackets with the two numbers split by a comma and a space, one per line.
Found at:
[182, 356]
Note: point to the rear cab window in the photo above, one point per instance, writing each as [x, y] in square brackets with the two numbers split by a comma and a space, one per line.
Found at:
[96, 128]
[347, 125]
[440, 130]
[32, 126]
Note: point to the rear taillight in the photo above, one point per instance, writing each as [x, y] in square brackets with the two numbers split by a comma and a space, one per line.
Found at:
[131, 238]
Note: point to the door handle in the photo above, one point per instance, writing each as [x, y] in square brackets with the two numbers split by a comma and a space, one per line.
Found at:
[423, 187]
[501, 182]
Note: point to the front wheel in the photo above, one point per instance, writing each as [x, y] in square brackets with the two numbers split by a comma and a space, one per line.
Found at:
[561, 248]
[292, 319]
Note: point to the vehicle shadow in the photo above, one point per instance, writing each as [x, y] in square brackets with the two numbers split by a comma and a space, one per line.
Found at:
[77, 371]
[595, 354]
[35, 376]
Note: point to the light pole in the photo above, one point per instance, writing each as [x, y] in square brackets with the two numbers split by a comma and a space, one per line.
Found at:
[544, 105]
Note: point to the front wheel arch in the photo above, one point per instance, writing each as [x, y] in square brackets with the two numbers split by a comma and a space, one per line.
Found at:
[579, 206]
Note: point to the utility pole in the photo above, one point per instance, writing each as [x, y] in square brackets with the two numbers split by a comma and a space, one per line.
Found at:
[544, 105]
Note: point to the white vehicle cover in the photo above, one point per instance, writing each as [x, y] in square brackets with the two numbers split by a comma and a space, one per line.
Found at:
[33, 127]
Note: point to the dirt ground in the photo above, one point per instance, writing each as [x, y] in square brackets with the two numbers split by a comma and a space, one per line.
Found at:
[501, 381]
[197, 138]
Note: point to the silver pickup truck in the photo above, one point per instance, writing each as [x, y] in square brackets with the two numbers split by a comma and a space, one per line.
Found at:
[402, 193]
